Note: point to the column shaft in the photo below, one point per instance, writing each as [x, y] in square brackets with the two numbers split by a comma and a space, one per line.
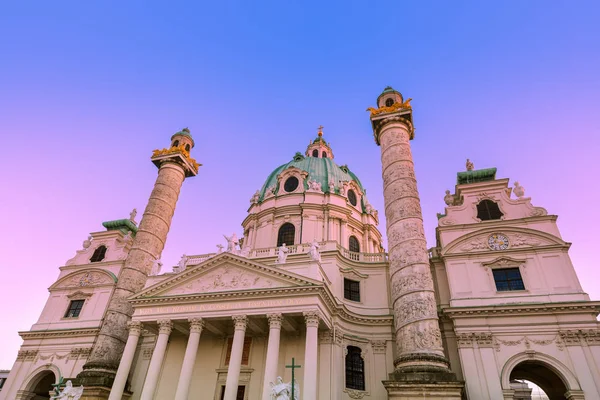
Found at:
[156, 361]
[135, 330]
[185, 377]
[272, 353]
[418, 337]
[235, 359]
[147, 246]
[310, 355]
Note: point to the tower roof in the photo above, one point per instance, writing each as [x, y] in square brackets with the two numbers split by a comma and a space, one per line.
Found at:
[477, 175]
[184, 132]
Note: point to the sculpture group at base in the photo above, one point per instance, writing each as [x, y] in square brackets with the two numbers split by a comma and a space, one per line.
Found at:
[283, 391]
[69, 393]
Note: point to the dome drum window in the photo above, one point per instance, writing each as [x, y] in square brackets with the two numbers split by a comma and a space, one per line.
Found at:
[291, 184]
[352, 197]
[286, 234]
[353, 244]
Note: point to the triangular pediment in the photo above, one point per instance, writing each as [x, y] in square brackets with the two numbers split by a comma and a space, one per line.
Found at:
[226, 273]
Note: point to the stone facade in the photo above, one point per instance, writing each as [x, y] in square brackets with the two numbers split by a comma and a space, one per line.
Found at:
[439, 323]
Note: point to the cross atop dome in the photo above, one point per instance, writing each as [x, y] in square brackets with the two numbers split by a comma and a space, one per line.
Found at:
[320, 132]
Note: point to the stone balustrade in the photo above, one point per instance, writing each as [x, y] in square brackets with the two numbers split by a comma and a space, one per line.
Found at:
[302, 248]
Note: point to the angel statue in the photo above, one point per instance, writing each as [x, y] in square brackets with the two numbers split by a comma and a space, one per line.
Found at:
[282, 254]
[69, 392]
[283, 391]
[232, 241]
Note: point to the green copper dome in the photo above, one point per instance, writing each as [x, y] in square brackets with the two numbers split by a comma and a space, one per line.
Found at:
[322, 170]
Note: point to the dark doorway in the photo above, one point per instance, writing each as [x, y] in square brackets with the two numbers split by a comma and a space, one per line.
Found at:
[540, 374]
[41, 385]
[240, 394]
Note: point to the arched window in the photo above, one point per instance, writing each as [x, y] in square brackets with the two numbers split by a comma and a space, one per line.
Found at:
[352, 198]
[488, 210]
[353, 244]
[389, 102]
[355, 369]
[176, 143]
[324, 154]
[99, 254]
[187, 147]
[286, 234]
[315, 153]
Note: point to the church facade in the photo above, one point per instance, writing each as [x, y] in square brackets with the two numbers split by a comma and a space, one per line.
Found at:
[308, 291]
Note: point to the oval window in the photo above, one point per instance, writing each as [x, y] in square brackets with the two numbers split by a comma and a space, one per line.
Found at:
[389, 102]
[291, 184]
[352, 197]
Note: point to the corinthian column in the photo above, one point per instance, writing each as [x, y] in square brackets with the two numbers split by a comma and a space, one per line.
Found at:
[235, 359]
[185, 377]
[135, 330]
[311, 354]
[272, 353]
[418, 338]
[174, 165]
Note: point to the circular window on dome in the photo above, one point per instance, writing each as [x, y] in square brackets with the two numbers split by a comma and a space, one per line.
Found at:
[352, 197]
[291, 184]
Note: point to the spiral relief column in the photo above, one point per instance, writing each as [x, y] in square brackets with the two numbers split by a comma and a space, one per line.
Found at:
[418, 338]
[174, 165]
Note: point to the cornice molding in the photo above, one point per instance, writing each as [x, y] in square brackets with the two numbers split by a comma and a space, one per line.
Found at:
[30, 335]
[523, 309]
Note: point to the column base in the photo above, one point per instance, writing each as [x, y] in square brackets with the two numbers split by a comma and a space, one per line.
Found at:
[423, 376]
[416, 390]
[97, 383]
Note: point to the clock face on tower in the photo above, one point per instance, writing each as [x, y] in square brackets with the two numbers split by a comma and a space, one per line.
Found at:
[498, 241]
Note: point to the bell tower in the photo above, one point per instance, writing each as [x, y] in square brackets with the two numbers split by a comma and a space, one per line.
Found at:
[174, 165]
[421, 368]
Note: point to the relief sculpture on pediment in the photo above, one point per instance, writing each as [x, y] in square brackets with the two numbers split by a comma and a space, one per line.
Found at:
[226, 279]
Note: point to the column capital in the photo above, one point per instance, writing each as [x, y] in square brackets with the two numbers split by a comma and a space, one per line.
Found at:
[275, 320]
[240, 322]
[135, 328]
[196, 325]
[165, 326]
[312, 318]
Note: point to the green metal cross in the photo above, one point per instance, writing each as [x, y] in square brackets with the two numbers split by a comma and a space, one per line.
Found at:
[293, 367]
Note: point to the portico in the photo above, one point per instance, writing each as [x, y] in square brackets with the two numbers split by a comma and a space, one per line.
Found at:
[241, 341]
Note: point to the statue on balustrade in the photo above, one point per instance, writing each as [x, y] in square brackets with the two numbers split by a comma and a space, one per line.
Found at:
[314, 251]
[282, 254]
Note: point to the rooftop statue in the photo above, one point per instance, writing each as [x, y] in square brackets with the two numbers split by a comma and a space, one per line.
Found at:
[132, 215]
[156, 267]
[232, 242]
[69, 392]
[87, 242]
[470, 165]
[181, 264]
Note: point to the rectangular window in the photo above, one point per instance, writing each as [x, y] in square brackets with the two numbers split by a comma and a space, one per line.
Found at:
[351, 290]
[245, 351]
[74, 309]
[508, 279]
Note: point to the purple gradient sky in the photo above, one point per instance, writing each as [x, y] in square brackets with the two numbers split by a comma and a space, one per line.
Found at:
[87, 91]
